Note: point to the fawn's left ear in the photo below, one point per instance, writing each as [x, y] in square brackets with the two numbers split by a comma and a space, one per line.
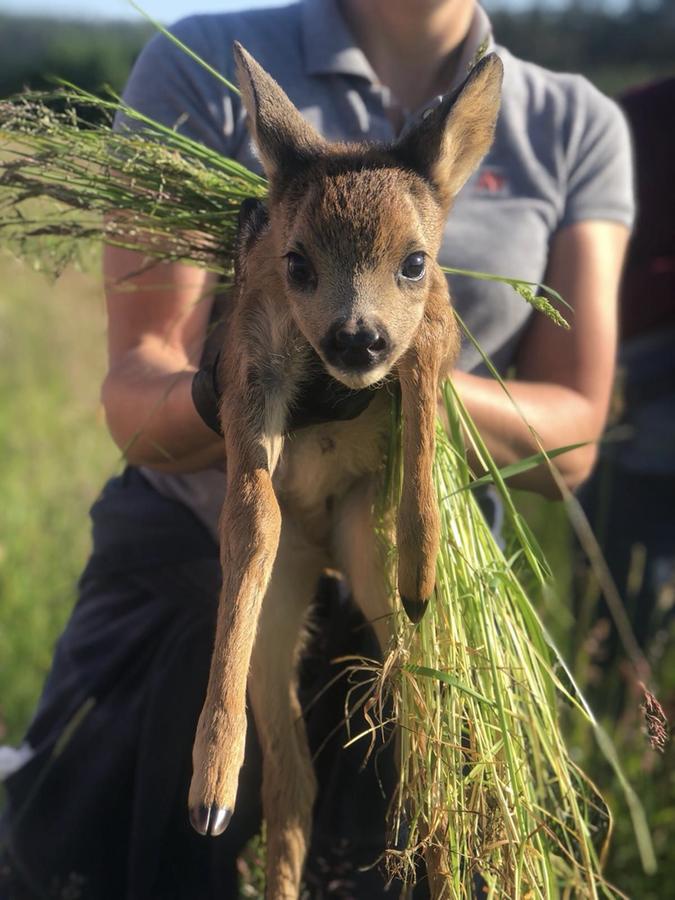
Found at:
[284, 139]
[447, 145]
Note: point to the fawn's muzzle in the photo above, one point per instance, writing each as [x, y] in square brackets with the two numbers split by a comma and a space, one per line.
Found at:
[355, 345]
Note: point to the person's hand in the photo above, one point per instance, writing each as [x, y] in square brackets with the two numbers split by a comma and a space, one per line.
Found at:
[324, 399]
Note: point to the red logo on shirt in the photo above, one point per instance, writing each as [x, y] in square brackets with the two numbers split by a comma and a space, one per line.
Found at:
[490, 181]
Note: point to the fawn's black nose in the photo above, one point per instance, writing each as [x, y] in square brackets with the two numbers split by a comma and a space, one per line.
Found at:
[355, 345]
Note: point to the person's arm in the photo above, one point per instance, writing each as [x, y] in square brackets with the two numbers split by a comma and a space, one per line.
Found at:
[564, 378]
[157, 321]
[158, 316]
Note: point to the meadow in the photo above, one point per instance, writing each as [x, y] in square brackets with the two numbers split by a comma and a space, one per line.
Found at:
[55, 455]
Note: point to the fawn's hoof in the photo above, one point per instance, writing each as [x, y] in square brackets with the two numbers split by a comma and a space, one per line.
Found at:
[211, 820]
[415, 609]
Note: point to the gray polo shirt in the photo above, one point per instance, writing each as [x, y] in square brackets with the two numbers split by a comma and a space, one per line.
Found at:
[561, 155]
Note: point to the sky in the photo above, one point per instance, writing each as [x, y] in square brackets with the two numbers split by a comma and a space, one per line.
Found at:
[170, 10]
[164, 10]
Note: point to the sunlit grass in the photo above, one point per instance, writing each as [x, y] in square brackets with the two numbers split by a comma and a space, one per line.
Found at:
[488, 786]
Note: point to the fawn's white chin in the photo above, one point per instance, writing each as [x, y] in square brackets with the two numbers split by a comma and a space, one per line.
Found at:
[357, 380]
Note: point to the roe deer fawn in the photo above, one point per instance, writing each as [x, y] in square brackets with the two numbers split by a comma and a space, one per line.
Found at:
[342, 267]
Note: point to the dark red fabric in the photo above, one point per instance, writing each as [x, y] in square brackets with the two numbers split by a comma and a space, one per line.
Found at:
[648, 292]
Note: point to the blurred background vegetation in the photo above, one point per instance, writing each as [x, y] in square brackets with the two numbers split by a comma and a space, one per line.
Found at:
[54, 449]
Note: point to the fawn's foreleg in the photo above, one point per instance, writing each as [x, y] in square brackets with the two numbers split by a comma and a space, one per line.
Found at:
[418, 522]
[249, 536]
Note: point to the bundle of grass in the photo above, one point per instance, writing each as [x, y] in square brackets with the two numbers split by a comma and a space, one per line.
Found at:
[487, 788]
[146, 188]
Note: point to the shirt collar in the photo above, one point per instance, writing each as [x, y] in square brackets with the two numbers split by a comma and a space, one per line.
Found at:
[329, 46]
[479, 41]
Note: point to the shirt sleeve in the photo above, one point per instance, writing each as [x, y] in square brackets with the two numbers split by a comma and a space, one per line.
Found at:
[169, 87]
[599, 160]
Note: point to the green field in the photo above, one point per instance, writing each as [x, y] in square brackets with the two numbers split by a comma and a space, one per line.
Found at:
[55, 455]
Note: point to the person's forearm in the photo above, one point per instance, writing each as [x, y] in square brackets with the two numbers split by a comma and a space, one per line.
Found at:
[152, 418]
[558, 415]
[158, 318]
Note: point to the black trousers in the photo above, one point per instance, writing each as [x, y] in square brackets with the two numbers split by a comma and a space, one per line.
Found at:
[100, 810]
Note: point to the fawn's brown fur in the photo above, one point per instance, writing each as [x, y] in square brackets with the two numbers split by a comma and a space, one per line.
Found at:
[348, 216]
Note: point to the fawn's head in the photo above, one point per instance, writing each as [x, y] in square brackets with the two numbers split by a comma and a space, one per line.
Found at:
[356, 228]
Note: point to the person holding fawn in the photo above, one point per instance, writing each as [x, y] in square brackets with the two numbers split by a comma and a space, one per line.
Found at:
[551, 201]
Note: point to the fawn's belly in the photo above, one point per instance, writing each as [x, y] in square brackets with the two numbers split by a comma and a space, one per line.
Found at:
[321, 463]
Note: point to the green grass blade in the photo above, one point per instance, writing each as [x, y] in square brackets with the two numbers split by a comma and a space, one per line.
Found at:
[193, 56]
[428, 672]
[522, 466]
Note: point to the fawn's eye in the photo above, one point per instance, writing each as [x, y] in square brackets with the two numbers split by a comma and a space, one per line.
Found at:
[300, 271]
[414, 266]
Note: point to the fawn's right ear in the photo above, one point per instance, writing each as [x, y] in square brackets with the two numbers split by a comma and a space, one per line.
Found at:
[284, 139]
[451, 139]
